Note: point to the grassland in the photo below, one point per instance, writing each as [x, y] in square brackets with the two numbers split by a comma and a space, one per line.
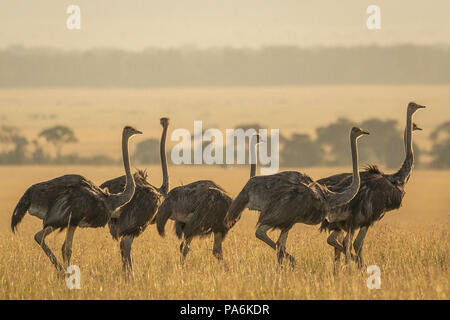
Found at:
[411, 246]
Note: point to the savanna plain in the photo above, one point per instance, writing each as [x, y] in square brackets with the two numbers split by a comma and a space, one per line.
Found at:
[411, 246]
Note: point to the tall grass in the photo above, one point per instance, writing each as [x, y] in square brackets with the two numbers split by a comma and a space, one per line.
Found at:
[411, 246]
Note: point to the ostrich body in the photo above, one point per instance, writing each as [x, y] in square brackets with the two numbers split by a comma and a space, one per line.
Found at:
[137, 214]
[72, 201]
[379, 193]
[199, 209]
[291, 197]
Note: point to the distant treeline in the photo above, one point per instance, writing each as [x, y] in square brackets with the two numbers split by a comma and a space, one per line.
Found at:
[276, 65]
[329, 147]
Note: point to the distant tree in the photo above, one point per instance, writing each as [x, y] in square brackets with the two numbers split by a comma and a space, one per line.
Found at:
[38, 156]
[443, 129]
[245, 127]
[58, 136]
[13, 146]
[440, 150]
[385, 144]
[147, 152]
[335, 139]
[7, 135]
[19, 155]
[301, 151]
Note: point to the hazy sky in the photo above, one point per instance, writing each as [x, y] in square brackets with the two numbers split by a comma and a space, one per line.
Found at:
[136, 24]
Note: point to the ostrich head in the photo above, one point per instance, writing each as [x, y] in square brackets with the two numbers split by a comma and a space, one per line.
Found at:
[258, 138]
[130, 131]
[413, 107]
[164, 122]
[358, 132]
[255, 140]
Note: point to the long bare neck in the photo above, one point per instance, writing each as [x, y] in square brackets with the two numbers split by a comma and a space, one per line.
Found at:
[118, 200]
[253, 157]
[405, 170]
[404, 140]
[162, 152]
[340, 198]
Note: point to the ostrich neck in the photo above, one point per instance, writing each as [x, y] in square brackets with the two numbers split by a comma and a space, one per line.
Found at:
[165, 185]
[340, 198]
[403, 173]
[404, 141]
[253, 158]
[120, 199]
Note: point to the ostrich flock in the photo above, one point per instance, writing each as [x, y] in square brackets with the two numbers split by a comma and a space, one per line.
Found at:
[341, 204]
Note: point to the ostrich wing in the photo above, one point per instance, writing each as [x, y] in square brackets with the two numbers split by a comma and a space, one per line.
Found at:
[332, 181]
[83, 205]
[376, 196]
[45, 194]
[136, 214]
[210, 207]
[295, 177]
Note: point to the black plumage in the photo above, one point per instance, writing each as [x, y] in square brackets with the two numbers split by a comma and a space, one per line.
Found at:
[379, 193]
[137, 214]
[72, 201]
[205, 203]
[198, 209]
[283, 199]
[69, 200]
[291, 197]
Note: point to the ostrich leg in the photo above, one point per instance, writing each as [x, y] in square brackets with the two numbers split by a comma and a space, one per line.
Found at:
[261, 234]
[217, 248]
[40, 239]
[67, 245]
[125, 251]
[281, 248]
[337, 250]
[358, 245]
[348, 245]
[184, 249]
[335, 240]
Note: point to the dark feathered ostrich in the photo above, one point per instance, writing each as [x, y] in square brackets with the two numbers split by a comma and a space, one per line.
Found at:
[199, 209]
[72, 201]
[290, 197]
[379, 193]
[137, 214]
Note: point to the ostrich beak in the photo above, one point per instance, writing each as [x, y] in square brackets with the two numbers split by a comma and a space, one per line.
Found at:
[138, 132]
[365, 132]
[421, 107]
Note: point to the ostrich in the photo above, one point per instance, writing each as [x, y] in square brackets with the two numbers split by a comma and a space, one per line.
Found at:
[136, 214]
[415, 127]
[379, 193]
[72, 201]
[290, 197]
[199, 209]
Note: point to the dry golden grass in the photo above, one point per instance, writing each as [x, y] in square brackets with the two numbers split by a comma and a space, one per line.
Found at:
[411, 246]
